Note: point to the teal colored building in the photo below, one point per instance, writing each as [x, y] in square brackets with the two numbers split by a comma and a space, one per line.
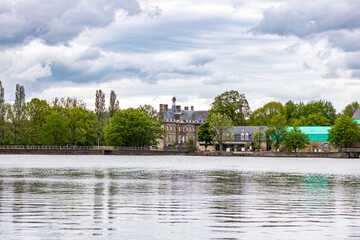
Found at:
[318, 136]
[316, 133]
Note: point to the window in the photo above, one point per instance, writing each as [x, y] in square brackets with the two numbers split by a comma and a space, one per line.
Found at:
[242, 136]
[326, 146]
[170, 138]
[179, 129]
[179, 139]
[167, 128]
[183, 139]
[187, 129]
[246, 136]
[167, 138]
[187, 138]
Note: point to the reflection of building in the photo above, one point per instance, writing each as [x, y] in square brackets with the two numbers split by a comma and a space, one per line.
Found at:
[180, 124]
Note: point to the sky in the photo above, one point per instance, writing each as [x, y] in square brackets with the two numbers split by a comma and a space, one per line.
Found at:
[148, 51]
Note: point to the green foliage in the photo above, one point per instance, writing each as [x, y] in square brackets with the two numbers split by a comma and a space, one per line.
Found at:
[234, 105]
[221, 125]
[55, 130]
[350, 109]
[263, 116]
[114, 104]
[314, 113]
[205, 134]
[36, 110]
[277, 130]
[344, 132]
[133, 128]
[295, 139]
[149, 110]
[190, 146]
[81, 125]
[257, 138]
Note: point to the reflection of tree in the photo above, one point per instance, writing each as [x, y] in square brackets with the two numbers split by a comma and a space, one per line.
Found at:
[226, 183]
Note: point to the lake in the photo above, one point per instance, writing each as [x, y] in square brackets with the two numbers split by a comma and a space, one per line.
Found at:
[178, 197]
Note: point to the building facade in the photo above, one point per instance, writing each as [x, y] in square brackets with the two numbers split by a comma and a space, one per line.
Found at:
[180, 125]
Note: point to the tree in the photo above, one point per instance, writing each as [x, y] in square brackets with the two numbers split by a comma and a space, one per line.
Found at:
[133, 128]
[81, 125]
[221, 125]
[262, 116]
[114, 104]
[277, 130]
[350, 109]
[293, 111]
[100, 122]
[55, 130]
[190, 146]
[317, 119]
[69, 103]
[324, 107]
[36, 110]
[234, 105]
[19, 116]
[149, 110]
[295, 139]
[257, 138]
[344, 132]
[2, 114]
[205, 134]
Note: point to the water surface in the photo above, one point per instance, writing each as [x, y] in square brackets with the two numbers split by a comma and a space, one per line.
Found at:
[177, 197]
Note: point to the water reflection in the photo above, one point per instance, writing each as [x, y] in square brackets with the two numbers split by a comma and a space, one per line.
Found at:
[136, 203]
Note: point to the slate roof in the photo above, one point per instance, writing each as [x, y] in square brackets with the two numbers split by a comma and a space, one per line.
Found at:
[238, 130]
[356, 115]
[197, 117]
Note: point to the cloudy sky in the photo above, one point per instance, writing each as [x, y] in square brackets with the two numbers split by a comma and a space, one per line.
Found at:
[150, 50]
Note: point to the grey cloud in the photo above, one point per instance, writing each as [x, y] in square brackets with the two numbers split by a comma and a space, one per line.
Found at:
[304, 18]
[56, 21]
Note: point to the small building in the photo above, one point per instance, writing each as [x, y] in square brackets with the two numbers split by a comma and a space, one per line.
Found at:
[318, 136]
[243, 136]
[180, 125]
[356, 116]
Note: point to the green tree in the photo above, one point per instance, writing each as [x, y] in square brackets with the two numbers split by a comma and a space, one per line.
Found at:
[114, 104]
[324, 107]
[263, 116]
[190, 146]
[36, 110]
[2, 114]
[295, 139]
[257, 138]
[234, 105]
[149, 110]
[293, 111]
[100, 111]
[344, 132]
[81, 126]
[19, 115]
[317, 119]
[221, 125]
[55, 130]
[133, 128]
[205, 134]
[350, 109]
[277, 130]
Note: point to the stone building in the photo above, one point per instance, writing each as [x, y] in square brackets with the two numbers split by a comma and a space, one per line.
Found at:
[180, 124]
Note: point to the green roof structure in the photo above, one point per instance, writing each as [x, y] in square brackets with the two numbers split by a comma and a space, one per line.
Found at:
[316, 133]
[357, 121]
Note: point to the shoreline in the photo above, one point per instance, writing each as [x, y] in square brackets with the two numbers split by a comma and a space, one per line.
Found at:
[176, 152]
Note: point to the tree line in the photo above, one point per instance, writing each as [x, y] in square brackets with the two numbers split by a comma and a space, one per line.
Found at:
[66, 121]
[232, 109]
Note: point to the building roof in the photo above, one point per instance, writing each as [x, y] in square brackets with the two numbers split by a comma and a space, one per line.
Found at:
[197, 117]
[356, 115]
[315, 133]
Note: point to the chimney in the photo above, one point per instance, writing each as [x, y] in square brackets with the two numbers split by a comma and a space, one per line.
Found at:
[166, 107]
[192, 108]
[161, 110]
[187, 108]
[178, 107]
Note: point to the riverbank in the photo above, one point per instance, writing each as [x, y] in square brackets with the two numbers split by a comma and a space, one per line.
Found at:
[148, 152]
